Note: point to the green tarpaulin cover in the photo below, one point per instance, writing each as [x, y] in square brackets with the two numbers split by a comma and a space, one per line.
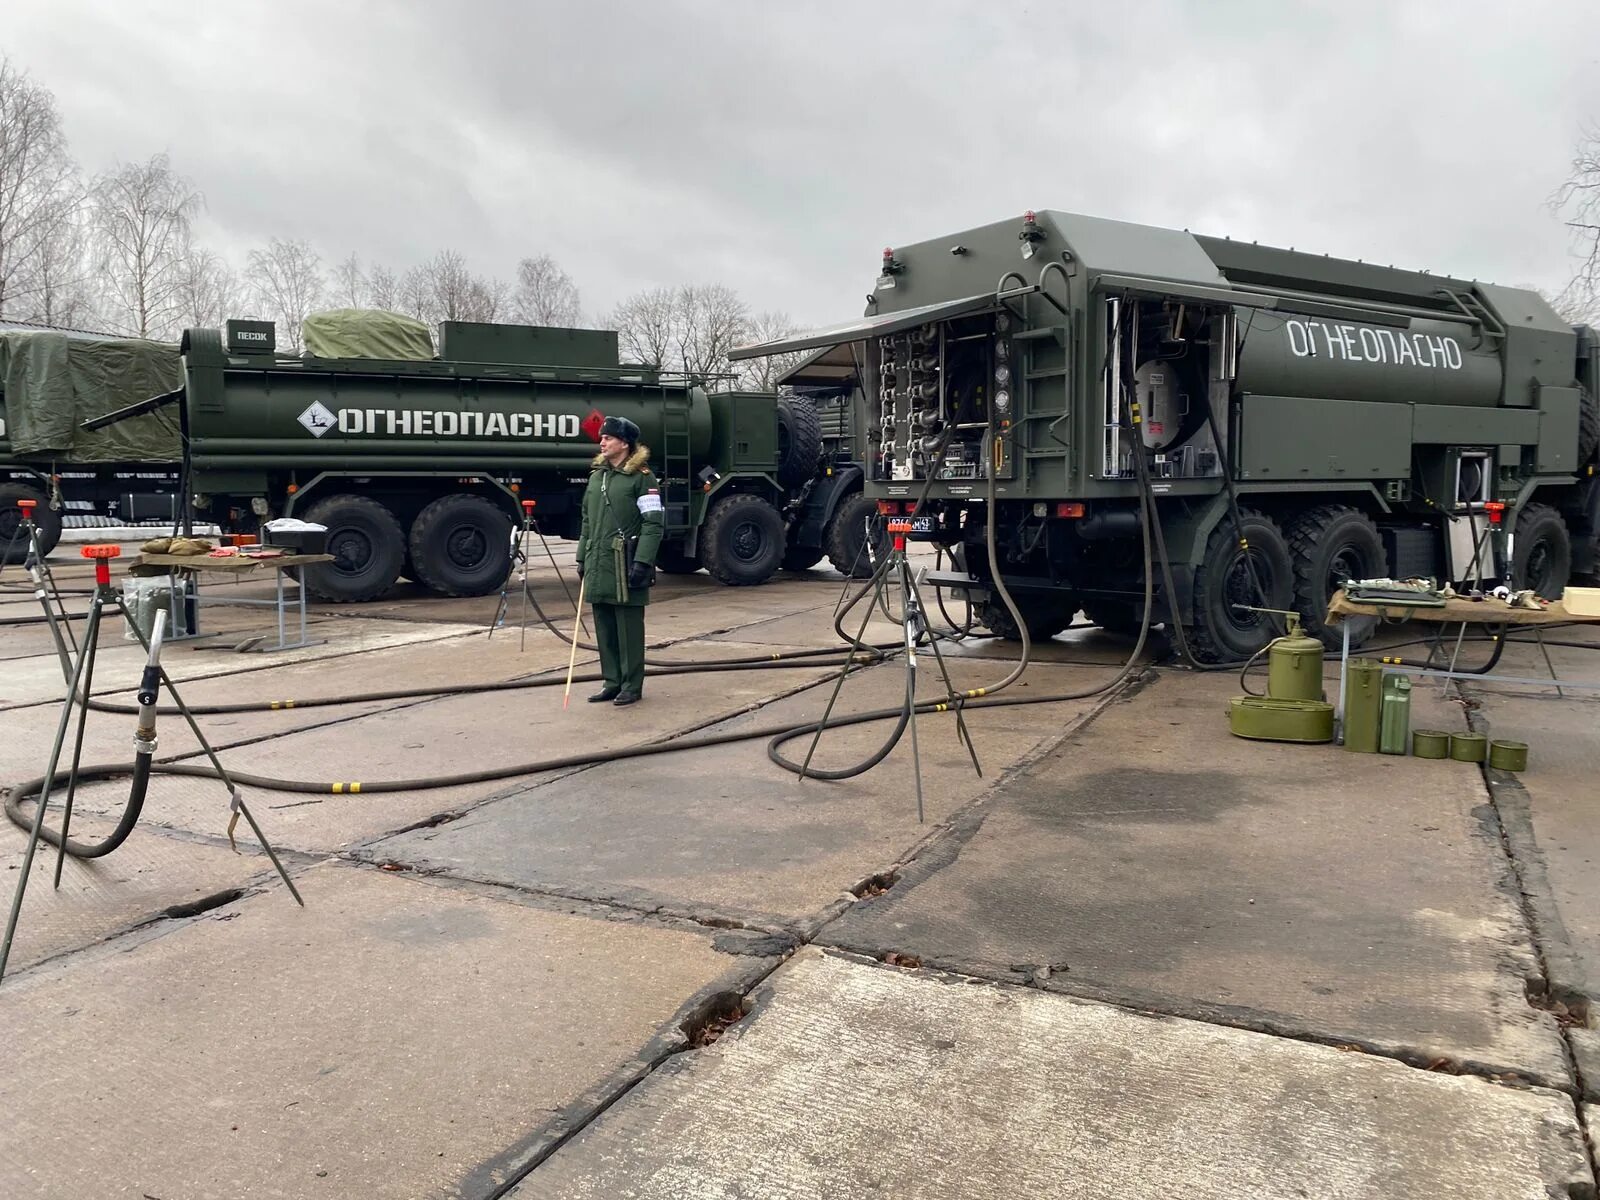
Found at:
[51, 383]
[366, 333]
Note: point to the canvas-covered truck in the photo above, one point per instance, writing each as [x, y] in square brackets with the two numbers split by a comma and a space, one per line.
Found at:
[1295, 421]
[417, 464]
[50, 381]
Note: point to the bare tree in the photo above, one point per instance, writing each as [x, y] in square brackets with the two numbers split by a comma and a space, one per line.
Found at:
[55, 288]
[383, 289]
[350, 287]
[209, 292]
[142, 214]
[762, 374]
[414, 294]
[545, 294]
[1577, 201]
[645, 323]
[287, 281]
[39, 196]
[711, 321]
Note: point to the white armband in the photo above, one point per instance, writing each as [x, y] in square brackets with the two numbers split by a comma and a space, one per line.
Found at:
[650, 502]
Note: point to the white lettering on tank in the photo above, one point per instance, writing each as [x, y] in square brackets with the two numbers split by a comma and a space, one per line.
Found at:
[522, 425]
[1347, 335]
[1299, 339]
[352, 420]
[1407, 354]
[1452, 354]
[1371, 345]
[569, 426]
[495, 426]
[424, 424]
[1420, 340]
[446, 424]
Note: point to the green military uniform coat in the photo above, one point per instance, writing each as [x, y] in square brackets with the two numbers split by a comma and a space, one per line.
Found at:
[619, 503]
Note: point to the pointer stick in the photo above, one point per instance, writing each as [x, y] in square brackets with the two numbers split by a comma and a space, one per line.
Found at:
[573, 657]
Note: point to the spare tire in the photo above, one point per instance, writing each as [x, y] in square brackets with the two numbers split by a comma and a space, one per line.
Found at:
[799, 440]
[13, 545]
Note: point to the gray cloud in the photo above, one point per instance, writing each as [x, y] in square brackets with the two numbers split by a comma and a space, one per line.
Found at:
[778, 148]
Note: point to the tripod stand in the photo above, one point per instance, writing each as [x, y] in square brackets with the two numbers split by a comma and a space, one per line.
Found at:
[519, 570]
[45, 590]
[80, 683]
[914, 628]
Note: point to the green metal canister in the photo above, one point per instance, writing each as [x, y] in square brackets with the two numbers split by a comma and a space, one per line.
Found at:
[1363, 704]
[1395, 723]
[1508, 756]
[1468, 747]
[1430, 743]
[1294, 666]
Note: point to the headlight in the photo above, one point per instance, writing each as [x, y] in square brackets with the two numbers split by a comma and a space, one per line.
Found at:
[1002, 400]
[1002, 375]
[1002, 321]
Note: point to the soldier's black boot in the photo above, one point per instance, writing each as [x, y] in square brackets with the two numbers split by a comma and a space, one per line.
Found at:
[600, 697]
[626, 698]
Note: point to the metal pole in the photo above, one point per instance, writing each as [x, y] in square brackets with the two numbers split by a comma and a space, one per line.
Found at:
[909, 620]
[77, 760]
[956, 700]
[87, 652]
[1344, 663]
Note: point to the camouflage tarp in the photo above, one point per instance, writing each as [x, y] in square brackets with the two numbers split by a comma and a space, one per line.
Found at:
[51, 383]
[366, 333]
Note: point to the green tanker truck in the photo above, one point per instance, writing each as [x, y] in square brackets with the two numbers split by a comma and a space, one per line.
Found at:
[417, 465]
[1294, 421]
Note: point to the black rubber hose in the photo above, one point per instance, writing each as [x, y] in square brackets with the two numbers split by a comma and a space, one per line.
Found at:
[130, 812]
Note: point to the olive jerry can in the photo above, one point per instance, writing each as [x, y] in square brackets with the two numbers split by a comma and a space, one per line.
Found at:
[1395, 724]
[1294, 666]
[1363, 703]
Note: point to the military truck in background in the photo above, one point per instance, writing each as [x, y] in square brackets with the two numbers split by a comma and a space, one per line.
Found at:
[50, 380]
[1294, 421]
[417, 464]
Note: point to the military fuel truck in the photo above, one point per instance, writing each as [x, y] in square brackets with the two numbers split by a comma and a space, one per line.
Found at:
[417, 465]
[1294, 421]
[50, 381]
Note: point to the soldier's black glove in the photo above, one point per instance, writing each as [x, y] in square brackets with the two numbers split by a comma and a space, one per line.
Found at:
[641, 575]
[580, 568]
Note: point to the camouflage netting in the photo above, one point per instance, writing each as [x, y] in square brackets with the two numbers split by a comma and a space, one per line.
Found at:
[52, 383]
[366, 333]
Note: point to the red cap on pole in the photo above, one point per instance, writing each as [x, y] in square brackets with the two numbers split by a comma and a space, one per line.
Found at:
[102, 555]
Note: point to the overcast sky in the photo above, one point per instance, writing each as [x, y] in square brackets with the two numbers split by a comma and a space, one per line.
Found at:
[778, 148]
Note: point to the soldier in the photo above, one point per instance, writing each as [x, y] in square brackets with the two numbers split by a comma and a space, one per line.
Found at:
[622, 520]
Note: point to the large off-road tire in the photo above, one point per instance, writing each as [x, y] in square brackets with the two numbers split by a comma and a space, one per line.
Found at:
[799, 440]
[1331, 544]
[1218, 631]
[671, 560]
[461, 545]
[13, 544]
[846, 539]
[367, 547]
[1115, 616]
[801, 558]
[1044, 618]
[1541, 559]
[742, 542]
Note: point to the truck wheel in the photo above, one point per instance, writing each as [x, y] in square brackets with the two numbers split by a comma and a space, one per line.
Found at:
[742, 540]
[1542, 559]
[801, 558]
[13, 545]
[799, 440]
[1331, 544]
[367, 548]
[461, 545]
[845, 539]
[1115, 616]
[671, 560]
[1219, 631]
[1044, 619]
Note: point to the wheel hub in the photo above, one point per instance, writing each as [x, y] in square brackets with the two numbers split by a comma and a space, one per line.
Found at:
[746, 541]
[351, 550]
[465, 546]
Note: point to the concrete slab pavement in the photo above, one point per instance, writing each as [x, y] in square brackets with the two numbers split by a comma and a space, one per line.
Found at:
[855, 1080]
[725, 833]
[99, 898]
[396, 1038]
[1157, 861]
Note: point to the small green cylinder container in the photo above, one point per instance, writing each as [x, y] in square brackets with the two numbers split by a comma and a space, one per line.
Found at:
[1363, 704]
[1468, 747]
[1430, 743]
[1294, 668]
[1508, 756]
